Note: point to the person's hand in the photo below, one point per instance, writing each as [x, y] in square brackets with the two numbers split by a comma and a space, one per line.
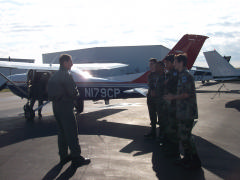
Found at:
[169, 97]
[153, 93]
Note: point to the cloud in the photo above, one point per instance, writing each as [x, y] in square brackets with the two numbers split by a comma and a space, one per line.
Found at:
[29, 28]
[4, 2]
[226, 24]
[95, 42]
[221, 34]
[15, 28]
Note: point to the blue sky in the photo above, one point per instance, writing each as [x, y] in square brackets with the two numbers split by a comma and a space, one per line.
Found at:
[29, 28]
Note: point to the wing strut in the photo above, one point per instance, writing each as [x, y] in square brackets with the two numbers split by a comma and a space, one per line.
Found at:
[39, 107]
[22, 91]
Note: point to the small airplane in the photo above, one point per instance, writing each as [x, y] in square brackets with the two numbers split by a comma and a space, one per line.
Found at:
[95, 88]
[220, 67]
[204, 74]
[201, 74]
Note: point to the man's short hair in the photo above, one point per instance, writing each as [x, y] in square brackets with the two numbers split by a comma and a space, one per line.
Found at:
[182, 58]
[160, 63]
[169, 58]
[154, 60]
[64, 58]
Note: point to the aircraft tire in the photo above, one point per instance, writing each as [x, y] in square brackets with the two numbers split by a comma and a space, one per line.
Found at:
[3, 86]
[29, 114]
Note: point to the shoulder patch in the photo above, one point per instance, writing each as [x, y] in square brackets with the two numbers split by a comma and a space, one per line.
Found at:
[184, 79]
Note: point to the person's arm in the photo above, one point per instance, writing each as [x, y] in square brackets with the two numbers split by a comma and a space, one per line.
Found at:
[151, 82]
[187, 90]
[176, 97]
[70, 87]
[151, 85]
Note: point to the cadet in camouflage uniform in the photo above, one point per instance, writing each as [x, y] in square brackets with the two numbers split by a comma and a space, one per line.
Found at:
[160, 102]
[151, 100]
[186, 112]
[62, 90]
[172, 141]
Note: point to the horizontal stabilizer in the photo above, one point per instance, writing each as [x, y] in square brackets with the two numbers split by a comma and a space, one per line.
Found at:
[142, 91]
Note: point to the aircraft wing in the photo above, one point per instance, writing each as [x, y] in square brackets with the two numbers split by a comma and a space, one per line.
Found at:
[22, 65]
[142, 91]
[54, 67]
[98, 66]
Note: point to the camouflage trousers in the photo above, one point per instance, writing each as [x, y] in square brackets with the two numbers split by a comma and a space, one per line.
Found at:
[162, 120]
[157, 114]
[185, 136]
[171, 122]
[152, 109]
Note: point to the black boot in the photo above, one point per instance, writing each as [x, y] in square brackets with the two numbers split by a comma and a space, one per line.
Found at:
[80, 161]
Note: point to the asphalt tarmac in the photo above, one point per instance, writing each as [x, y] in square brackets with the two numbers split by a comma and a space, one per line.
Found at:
[112, 136]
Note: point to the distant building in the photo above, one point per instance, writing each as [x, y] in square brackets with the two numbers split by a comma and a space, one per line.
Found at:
[10, 71]
[135, 56]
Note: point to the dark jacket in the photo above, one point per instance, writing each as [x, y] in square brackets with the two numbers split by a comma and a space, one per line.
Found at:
[61, 86]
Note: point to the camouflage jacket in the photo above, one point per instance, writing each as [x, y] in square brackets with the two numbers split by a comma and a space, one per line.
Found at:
[186, 108]
[160, 86]
[172, 80]
[61, 86]
[152, 82]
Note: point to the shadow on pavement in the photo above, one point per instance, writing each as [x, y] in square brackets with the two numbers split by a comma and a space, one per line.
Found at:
[16, 129]
[165, 169]
[215, 159]
[233, 104]
[67, 174]
[218, 92]
[53, 173]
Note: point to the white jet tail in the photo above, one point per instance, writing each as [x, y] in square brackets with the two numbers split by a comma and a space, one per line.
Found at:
[220, 68]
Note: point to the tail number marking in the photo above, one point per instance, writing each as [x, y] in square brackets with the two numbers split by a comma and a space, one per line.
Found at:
[102, 92]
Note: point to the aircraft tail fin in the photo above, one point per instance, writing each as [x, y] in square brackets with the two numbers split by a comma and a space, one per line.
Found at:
[191, 45]
[219, 67]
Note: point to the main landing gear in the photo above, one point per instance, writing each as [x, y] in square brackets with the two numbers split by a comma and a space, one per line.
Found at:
[28, 113]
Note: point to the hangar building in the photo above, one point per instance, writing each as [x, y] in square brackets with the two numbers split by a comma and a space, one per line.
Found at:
[135, 56]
